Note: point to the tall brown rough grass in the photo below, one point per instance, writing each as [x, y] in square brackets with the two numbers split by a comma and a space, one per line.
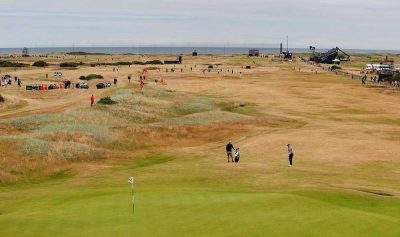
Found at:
[50, 144]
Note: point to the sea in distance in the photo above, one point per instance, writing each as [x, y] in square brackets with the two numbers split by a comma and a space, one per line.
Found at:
[174, 50]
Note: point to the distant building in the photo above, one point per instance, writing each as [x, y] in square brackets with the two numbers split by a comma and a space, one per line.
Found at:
[254, 52]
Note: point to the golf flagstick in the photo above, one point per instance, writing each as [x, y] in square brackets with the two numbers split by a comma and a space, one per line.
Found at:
[131, 180]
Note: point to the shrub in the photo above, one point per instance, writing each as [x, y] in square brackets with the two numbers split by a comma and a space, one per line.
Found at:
[91, 76]
[154, 62]
[107, 101]
[68, 64]
[12, 64]
[138, 63]
[97, 64]
[94, 64]
[40, 64]
[1, 99]
[335, 67]
[122, 63]
[94, 76]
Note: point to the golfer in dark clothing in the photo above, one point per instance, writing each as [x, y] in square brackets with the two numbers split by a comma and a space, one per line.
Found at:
[290, 153]
[229, 149]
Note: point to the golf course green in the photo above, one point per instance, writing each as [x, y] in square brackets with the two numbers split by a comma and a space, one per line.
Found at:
[184, 201]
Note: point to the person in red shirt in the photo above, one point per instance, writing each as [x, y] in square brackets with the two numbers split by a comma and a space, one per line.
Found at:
[92, 100]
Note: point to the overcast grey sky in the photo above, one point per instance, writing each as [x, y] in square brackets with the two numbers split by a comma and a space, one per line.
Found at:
[360, 24]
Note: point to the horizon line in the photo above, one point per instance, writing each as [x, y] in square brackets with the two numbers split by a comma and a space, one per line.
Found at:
[238, 46]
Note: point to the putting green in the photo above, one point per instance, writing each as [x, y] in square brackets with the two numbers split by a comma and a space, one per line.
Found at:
[171, 204]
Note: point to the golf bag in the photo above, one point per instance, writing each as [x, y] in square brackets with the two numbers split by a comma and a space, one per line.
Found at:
[237, 155]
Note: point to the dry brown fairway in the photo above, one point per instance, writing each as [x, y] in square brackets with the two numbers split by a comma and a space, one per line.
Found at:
[351, 133]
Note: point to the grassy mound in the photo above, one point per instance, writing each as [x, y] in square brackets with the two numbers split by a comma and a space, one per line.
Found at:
[40, 64]
[91, 77]
[122, 63]
[107, 101]
[12, 64]
[154, 62]
[69, 64]
[126, 63]
[151, 62]
[138, 63]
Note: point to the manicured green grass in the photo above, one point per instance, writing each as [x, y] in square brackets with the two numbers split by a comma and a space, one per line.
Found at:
[187, 203]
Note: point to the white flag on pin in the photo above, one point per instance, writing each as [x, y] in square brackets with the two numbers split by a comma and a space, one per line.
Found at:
[130, 180]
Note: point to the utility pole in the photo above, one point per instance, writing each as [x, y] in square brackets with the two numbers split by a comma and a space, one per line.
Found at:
[287, 43]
